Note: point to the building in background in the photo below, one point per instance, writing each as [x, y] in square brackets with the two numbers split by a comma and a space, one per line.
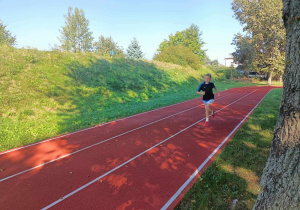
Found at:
[229, 61]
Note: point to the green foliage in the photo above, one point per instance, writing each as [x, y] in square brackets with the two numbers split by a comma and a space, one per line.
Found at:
[134, 50]
[223, 73]
[75, 35]
[263, 23]
[5, 36]
[180, 55]
[105, 45]
[244, 51]
[44, 94]
[215, 62]
[190, 38]
[164, 45]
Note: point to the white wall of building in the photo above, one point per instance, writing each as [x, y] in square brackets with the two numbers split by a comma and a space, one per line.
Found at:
[229, 61]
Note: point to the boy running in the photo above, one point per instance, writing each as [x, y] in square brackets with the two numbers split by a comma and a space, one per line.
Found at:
[208, 96]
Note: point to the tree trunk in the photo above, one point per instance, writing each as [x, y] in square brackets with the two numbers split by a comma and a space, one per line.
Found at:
[270, 78]
[280, 78]
[280, 182]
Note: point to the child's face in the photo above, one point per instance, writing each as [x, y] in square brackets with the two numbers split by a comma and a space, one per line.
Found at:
[207, 79]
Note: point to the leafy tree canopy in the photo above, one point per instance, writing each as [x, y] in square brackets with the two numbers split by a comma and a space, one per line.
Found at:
[5, 36]
[76, 35]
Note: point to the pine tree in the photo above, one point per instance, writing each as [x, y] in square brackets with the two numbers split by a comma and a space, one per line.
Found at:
[75, 35]
[134, 50]
[5, 36]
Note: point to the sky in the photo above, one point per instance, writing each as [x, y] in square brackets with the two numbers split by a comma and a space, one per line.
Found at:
[36, 23]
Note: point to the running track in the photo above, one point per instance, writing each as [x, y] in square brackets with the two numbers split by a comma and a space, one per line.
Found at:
[146, 161]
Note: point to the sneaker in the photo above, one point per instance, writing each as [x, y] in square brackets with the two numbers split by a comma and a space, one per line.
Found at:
[212, 114]
[206, 123]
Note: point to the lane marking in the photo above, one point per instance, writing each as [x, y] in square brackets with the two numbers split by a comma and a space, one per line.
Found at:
[171, 200]
[126, 162]
[101, 142]
[96, 126]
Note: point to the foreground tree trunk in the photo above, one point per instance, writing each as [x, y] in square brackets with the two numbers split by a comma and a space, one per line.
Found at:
[281, 177]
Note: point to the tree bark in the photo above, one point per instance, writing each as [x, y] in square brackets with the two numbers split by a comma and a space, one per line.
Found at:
[280, 182]
[270, 78]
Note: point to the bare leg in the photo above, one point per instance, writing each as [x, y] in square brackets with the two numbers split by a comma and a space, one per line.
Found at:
[207, 111]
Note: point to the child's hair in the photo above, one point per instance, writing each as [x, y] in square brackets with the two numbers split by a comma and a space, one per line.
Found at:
[208, 75]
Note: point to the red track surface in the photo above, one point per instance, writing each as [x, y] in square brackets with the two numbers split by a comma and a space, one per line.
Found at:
[139, 162]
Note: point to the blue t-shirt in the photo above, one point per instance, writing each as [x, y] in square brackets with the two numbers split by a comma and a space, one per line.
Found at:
[208, 89]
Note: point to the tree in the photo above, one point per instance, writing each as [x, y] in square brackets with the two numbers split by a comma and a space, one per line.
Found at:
[280, 182]
[75, 35]
[134, 50]
[215, 63]
[263, 23]
[105, 45]
[5, 36]
[180, 55]
[190, 38]
[244, 52]
[206, 59]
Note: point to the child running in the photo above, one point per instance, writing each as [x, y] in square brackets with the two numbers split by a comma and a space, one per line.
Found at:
[208, 96]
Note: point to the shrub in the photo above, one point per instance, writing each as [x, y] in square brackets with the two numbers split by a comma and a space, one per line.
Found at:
[179, 55]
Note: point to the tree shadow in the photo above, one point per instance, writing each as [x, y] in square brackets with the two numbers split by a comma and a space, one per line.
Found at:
[173, 159]
[251, 143]
[68, 174]
[104, 90]
[239, 166]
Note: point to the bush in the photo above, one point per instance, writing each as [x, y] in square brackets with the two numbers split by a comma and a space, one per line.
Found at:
[225, 73]
[179, 55]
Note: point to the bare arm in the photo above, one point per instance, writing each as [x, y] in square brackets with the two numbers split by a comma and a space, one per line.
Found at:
[199, 89]
[217, 91]
[201, 93]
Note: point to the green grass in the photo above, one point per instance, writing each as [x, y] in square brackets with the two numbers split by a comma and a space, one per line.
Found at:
[44, 94]
[236, 171]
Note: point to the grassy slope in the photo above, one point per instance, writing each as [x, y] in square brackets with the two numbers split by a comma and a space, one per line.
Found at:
[45, 94]
[236, 171]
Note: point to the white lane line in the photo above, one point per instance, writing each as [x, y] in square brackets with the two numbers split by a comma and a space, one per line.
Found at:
[171, 200]
[126, 162]
[101, 142]
[96, 126]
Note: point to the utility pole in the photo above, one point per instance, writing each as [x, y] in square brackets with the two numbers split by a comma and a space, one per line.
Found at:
[231, 67]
